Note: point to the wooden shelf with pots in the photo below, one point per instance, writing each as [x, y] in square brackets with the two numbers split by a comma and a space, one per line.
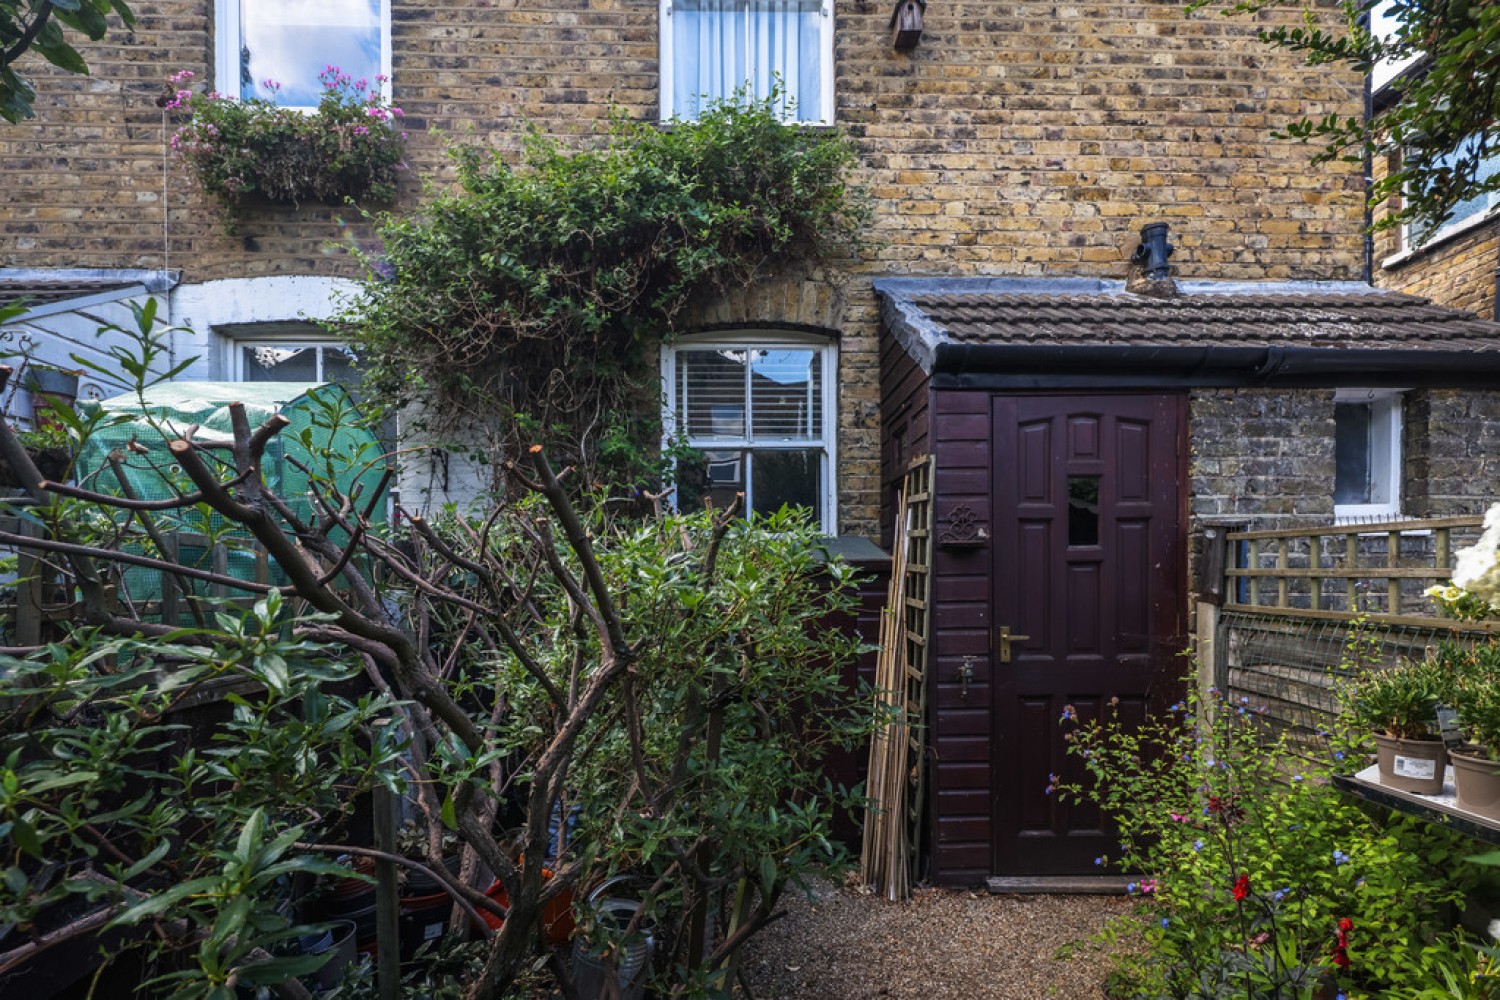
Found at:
[1441, 808]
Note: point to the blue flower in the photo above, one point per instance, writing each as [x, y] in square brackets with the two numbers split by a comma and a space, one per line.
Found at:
[1296, 777]
[1338, 755]
[1101, 860]
[1130, 889]
[1165, 921]
[1197, 845]
[1339, 857]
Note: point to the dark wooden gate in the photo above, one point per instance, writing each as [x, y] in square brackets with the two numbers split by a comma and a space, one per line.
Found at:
[1088, 600]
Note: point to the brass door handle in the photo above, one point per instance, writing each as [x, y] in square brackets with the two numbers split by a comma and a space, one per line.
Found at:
[1006, 638]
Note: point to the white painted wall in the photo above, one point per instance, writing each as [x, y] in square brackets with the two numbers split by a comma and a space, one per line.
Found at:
[59, 339]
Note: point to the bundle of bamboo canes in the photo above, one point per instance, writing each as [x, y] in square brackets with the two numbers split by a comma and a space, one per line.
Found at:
[884, 857]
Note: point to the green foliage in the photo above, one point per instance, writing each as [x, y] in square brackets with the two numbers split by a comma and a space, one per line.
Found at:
[1260, 879]
[37, 25]
[541, 289]
[105, 802]
[1444, 122]
[1476, 697]
[705, 769]
[1402, 701]
[349, 149]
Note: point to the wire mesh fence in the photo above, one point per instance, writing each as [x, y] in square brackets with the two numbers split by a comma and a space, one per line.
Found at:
[1290, 668]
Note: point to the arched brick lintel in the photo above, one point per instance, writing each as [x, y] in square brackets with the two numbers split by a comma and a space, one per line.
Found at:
[804, 303]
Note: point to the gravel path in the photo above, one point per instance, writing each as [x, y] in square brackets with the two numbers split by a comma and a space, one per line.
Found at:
[847, 945]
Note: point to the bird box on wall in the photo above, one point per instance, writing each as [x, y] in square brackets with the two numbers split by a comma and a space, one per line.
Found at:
[906, 23]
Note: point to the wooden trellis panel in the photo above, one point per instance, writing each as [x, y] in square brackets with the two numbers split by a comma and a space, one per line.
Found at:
[895, 783]
[1379, 570]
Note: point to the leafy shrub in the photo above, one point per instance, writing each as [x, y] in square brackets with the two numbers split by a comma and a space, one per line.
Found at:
[541, 290]
[1258, 878]
[106, 803]
[350, 148]
[1402, 701]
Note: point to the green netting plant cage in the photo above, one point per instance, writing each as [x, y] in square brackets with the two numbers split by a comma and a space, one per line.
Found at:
[128, 452]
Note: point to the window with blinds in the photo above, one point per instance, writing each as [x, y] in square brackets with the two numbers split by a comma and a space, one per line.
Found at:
[758, 418]
[714, 49]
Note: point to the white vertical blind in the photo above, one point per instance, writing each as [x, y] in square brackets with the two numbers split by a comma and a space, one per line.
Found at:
[720, 46]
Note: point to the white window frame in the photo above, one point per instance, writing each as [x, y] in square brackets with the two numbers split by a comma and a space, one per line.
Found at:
[1457, 224]
[765, 340]
[228, 39]
[825, 49]
[1386, 406]
[235, 364]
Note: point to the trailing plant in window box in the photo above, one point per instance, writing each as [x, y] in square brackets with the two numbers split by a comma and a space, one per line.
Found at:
[348, 149]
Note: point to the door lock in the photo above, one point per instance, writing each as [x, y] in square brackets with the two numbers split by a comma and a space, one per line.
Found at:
[965, 678]
[1006, 638]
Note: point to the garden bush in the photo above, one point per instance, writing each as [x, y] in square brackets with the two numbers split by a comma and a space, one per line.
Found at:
[1257, 877]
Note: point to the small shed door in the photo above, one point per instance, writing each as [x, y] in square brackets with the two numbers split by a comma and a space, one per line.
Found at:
[1089, 580]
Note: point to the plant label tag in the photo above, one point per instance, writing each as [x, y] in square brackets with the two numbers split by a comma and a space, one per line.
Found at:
[1411, 767]
[1447, 720]
[432, 931]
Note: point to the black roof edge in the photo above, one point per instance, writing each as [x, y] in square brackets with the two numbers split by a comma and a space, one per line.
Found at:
[955, 364]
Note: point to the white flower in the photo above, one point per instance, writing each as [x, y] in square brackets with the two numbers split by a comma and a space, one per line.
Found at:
[1477, 568]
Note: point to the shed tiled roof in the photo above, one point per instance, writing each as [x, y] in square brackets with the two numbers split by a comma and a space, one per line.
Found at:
[1225, 319]
[34, 294]
[1090, 332]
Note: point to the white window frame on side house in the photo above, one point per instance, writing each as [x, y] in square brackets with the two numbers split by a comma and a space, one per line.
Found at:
[1475, 212]
[237, 366]
[728, 23]
[229, 38]
[820, 438]
[1382, 454]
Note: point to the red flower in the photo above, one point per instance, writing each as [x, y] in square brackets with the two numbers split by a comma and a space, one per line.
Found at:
[1341, 950]
[1241, 887]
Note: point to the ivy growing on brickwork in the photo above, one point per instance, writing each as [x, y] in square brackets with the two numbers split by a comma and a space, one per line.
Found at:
[532, 296]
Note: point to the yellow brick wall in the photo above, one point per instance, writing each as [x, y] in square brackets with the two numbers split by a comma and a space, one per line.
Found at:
[1018, 139]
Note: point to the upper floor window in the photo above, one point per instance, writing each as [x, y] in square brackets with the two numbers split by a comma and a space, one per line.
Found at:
[1367, 453]
[1470, 211]
[713, 49]
[275, 49]
[759, 410]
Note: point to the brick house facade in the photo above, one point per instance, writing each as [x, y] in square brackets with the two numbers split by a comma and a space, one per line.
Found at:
[1016, 141]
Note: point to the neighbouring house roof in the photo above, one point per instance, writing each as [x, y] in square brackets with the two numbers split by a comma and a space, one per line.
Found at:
[46, 291]
[1027, 331]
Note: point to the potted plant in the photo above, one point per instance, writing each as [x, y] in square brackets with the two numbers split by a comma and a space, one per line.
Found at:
[1476, 763]
[1400, 706]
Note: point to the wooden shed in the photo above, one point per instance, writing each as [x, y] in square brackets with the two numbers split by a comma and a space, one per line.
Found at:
[1070, 422]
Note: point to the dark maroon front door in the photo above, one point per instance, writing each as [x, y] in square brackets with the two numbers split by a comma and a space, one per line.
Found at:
[1090, 570]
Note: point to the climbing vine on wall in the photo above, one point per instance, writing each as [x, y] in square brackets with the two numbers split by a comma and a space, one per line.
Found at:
[534, 294]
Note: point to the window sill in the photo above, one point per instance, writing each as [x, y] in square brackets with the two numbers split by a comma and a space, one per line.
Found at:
[1443, 238]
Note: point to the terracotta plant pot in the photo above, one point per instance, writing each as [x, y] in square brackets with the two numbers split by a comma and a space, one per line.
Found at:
[1478, 781]
[1415, 766]
[557, 915]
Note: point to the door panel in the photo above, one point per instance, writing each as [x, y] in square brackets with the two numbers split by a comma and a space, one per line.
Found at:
[1090, 571]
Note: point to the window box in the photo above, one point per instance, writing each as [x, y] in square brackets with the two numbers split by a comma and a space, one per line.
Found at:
[349, 148]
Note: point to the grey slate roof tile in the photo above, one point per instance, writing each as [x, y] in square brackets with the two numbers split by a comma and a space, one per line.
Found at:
[1360, 320]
